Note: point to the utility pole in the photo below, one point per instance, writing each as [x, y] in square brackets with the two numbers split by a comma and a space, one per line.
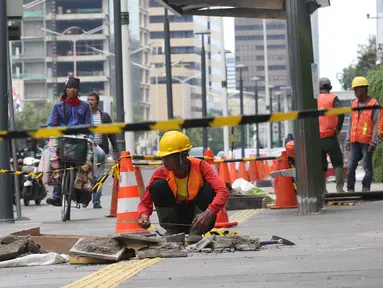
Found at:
[307, 152]
[168, 63]
[6, 193]
[280, 141]
[118, 68]
[242, 127]
[256, 79]
[127, 74]
[266, 61]
[13, 141]
[204, 93]
[226, 145]
[270, 88]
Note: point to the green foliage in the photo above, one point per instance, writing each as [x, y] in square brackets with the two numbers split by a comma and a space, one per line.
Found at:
[375, 78]
[31, 117]
[366, 61]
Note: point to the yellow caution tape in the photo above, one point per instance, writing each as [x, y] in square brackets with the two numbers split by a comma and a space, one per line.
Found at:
[178, 124]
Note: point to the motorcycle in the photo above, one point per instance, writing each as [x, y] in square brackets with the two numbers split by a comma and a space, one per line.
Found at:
[32, 188]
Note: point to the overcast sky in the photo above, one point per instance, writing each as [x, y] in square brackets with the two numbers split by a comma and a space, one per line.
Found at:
[342, 27]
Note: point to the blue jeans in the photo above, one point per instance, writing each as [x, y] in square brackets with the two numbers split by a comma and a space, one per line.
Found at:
[100, 156]
[358, 152]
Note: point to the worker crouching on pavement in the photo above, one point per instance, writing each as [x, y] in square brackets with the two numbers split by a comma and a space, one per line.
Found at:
[186, 192]
[330, 127]
[362, 136]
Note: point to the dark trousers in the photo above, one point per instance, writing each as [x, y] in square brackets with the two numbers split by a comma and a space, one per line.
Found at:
[182, 214]
[358, 152]
[330, 146]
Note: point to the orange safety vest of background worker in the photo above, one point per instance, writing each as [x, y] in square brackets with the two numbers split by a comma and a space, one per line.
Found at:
[327, 124]
[362, 127]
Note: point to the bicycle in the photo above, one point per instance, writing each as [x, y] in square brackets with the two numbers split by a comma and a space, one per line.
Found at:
[73, 153]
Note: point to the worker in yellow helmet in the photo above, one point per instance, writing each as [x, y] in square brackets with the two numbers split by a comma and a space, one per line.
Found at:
[362, 136]
[186, 192]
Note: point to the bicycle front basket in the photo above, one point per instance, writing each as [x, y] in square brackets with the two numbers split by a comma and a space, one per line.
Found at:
[73, 150]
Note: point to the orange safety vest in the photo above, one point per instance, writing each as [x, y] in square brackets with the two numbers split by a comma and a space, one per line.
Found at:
[362, 126]
[327, 124]
[195, 181]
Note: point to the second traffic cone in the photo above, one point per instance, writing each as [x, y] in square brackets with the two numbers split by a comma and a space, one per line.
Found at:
[242, 173]
[233, 172]
[140, 181]
[128, 199]
[252, 169]
[224, 172]
[222, 220]
[284, 187]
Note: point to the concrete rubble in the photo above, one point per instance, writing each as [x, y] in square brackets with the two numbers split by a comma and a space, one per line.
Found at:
[220, 244]
[12, 247]
[125, 246]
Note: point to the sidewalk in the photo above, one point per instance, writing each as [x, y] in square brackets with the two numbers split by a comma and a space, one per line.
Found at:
[339, 248]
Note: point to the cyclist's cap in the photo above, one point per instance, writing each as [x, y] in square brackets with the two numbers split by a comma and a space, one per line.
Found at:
[72, 82]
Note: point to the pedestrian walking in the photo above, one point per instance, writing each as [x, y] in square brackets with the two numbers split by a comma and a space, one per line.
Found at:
[102, 142]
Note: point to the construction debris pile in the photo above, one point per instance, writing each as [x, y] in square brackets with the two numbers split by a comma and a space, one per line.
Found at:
[12, 247]
[220, 244]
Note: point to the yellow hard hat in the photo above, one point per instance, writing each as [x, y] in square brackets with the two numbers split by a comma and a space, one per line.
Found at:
[173, 142]
[359, 82]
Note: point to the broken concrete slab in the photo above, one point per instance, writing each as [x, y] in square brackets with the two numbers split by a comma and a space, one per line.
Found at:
[181, 237]
[206, 242]
[163, 250]
[135, 242]
[246, 243]
[15, 246]
[99, 248]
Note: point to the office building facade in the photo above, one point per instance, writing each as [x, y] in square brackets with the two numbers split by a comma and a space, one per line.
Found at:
[62, 38]
[186, 64]
[231, 72]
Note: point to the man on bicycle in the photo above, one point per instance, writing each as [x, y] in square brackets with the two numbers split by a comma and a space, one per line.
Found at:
[71, 111]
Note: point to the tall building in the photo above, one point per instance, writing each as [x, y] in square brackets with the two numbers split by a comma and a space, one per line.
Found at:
[62, 38]
[379, 26]
[186, 61]
[231, 73]
[249, 50]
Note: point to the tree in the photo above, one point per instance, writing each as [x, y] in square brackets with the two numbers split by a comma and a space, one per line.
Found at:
[31, 117]
[366, 61]
[375, 78]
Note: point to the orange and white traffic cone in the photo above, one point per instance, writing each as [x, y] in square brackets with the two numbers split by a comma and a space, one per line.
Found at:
[222, 220]
[128, 199]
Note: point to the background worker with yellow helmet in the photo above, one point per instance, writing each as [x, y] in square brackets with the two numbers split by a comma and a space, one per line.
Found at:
[186, 192]
[362, 136]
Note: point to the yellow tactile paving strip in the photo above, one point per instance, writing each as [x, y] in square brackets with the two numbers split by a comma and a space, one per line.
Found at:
[113, 275]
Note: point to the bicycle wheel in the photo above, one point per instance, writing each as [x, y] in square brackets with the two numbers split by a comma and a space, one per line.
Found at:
[67, 190]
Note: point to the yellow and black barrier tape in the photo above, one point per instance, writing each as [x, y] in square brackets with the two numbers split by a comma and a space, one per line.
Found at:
[177, 124]
[207, 158]
[340, 203]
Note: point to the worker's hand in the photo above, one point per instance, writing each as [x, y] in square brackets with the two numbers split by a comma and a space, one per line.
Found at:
[348, 146]
[202, 221]
[144, 221]
[371, 148]
[20, 161]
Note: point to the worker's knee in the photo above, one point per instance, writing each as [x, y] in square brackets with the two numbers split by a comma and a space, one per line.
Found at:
[205, 196]
[161, 193]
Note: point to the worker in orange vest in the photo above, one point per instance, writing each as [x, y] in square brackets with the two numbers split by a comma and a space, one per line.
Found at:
[362, 136]
[186, 192]
[329, 128]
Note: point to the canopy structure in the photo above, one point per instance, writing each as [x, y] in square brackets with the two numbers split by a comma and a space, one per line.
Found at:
[310, 184]
[235, 8]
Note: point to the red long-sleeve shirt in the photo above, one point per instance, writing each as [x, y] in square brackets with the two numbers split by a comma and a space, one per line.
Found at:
[209, 176]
